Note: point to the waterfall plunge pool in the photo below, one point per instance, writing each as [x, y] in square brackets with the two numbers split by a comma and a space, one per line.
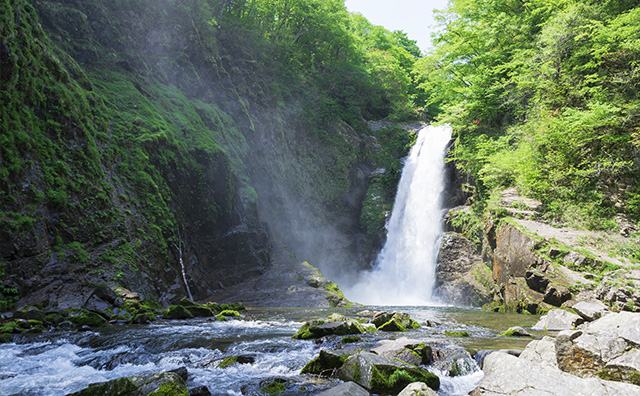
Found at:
[58, 363]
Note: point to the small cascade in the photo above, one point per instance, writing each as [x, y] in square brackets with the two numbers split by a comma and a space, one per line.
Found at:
[404, 273]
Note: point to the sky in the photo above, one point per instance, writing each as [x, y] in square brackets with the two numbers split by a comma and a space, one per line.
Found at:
[414, 17]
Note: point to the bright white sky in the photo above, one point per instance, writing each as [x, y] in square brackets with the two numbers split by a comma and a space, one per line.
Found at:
[414, 17]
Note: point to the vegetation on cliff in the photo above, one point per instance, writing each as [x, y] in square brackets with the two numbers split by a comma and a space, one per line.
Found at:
[137, 132]
[543, 96]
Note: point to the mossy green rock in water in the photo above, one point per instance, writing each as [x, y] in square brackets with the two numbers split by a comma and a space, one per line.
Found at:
[325, 363]
[86, 318]
[395, 321]
[338, 325]
[382, 374]
[274, 388]
[163, 384]
[177, 312]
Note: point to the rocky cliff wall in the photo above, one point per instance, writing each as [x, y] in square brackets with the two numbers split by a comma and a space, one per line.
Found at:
[136, 133]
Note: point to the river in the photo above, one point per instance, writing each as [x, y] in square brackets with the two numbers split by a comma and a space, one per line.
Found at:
[57, 363]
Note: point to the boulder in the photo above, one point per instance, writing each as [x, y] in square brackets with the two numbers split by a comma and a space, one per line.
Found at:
[199, 391]
[395, 321]
[625, 325]
[536, 281]
[177, 312]
[346, 389]
[417, 389]
[590, 310]
[585, 354]
[409, 351]
[516, 331]
[535, 373]
[382, 374]
[557, 320]
[557, 295]
[326, 362]
[139, 385]
[334, 325]
[625, 367]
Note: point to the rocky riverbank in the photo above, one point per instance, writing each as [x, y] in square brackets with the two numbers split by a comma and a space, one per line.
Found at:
[599, 357]
[508, 259]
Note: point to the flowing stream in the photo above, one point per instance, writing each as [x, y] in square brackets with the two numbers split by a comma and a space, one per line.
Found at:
[57, 363]
[404, 273]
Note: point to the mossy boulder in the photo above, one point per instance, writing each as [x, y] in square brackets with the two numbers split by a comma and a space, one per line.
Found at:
[395, 321]
[409, 351]
[81, 317]
[163, 384]
[381, 374]
[30, 313]
[177, 312]
[334, 325]
[200, 311]
[326, 362]
[231, 360]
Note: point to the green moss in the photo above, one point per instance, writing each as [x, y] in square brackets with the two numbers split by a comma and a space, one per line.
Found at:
[457, 333]
[350, 339]
[86, 318]
[228, 361]
[170, 389]
[274, 388]
[230, 313]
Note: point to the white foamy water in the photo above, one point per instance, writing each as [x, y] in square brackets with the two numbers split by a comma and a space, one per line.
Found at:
[405, 268]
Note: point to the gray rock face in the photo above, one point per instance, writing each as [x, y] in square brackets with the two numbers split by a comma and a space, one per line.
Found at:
[461, 276]
[346, 389]
[625, 325]
[557, 320]
[417, 389]
[590, 310]
[585, 354]
[535, 373]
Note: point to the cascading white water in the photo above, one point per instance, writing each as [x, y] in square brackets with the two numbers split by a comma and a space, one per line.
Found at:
[404, 273]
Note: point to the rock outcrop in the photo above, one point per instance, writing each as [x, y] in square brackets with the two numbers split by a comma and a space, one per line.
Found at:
[461, 276]
[582, 361]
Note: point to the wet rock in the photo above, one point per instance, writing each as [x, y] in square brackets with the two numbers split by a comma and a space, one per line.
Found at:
[182, 372]
[382, 374]
[590, 310]
[346, 389]
[516, 331]
[242, 359]
[409, 351]
[395, 321]
[417, 389]
[199, 391]
[177, 312]
[30, 313]
[334, 325]
[140, 385]
[557, 320]
[81, 317]
[325, 364]
[557, 295]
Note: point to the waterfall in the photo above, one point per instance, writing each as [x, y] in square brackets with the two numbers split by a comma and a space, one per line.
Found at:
[404, 273]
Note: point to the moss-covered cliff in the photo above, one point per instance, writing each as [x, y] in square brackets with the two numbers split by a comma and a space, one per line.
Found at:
[133, 132]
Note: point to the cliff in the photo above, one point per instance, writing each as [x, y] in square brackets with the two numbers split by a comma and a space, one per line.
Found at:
[139, 136]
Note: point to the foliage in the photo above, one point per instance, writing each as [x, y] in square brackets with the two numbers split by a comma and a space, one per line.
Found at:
[543, 96]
